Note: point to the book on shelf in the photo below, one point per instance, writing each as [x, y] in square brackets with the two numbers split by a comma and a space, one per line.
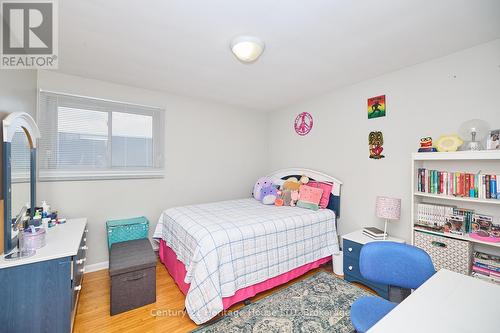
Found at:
[486, 267]
[485, 271]
[485, 278]
[460, 184]
[486, 259]
[455, 220]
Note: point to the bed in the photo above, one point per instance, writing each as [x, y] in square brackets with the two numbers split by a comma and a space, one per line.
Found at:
[224, 252]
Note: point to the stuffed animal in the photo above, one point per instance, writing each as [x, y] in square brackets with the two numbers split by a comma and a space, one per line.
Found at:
[261, 182]
[268, 195]
[291, 183]
[294, 195]
[304, 179]
[286, 195]
[279, 200]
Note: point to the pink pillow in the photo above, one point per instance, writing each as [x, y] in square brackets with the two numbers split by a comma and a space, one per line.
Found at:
[327, 190]
[309, 197]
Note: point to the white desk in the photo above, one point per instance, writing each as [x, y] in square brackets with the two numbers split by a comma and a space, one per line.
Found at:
[447, 302]
[62, 241]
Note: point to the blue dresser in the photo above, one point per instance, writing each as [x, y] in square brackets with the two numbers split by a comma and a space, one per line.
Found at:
[351, 246]
[40, 293]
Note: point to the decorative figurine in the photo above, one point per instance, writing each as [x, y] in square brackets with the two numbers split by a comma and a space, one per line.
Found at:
[375, 143]
[448, 143]
[426, 145]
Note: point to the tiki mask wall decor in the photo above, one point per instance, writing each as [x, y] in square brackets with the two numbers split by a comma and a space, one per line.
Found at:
[375, 144]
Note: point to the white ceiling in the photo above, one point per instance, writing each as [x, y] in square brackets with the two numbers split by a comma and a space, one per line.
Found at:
[312, 46]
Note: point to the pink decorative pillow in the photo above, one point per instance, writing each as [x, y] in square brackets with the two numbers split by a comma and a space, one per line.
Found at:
[309, 197]
[327, 189]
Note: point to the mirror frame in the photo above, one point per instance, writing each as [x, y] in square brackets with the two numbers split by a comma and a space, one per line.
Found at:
[9, 126]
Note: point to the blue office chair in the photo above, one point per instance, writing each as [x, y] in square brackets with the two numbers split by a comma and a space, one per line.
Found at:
[393, 264]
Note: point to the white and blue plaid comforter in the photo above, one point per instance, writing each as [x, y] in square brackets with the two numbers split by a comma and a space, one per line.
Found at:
[230, 245]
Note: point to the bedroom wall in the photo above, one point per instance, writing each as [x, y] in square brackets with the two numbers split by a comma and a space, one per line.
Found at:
[430, 98]
[18, 91]
[213, 152]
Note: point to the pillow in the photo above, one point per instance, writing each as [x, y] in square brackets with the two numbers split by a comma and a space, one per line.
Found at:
[327, 189]
[261, 182]
[309, 197]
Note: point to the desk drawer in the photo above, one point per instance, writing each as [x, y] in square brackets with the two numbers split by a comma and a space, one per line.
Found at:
[351, 249]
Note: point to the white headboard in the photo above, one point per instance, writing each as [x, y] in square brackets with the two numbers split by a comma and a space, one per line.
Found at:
[278, 175]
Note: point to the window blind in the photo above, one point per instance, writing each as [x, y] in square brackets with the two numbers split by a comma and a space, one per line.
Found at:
[20, 157]
[88, 138]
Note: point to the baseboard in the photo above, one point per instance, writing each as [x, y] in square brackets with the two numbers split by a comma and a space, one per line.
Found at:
[96, 267]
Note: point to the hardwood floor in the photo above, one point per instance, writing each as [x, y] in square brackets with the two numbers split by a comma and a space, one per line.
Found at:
[166, 315]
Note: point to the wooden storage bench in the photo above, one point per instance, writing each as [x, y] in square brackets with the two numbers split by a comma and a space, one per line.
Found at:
[132, 267]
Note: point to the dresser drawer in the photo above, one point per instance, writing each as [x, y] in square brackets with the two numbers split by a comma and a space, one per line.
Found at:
[79, 260]
[79, 267]
[351, 249]
[351, 266]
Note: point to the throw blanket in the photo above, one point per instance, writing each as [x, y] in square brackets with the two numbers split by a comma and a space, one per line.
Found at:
[230, 245]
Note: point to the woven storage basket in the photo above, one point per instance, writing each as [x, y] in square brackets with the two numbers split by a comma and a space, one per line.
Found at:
[449, 253]
[127, 229]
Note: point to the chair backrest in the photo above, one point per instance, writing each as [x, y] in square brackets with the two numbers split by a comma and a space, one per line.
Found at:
[395, 264]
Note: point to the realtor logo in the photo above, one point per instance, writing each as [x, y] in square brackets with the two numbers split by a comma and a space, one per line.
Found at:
[29, 34]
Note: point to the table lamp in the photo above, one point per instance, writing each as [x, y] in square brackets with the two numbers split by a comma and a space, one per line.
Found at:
[388, 209]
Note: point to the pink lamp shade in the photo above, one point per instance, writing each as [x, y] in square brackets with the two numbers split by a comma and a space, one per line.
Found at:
[388, 208]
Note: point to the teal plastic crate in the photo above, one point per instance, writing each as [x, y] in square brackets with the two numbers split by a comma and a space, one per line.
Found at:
[127, 229]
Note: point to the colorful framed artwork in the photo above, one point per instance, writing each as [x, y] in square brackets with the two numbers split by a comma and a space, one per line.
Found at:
[494, 139]
[376, 107]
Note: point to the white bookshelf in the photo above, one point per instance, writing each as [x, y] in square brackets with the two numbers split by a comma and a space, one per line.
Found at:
[488, 162]
[453, 198]
[458, 156]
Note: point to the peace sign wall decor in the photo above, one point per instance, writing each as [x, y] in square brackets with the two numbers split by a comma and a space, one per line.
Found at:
[303, 123]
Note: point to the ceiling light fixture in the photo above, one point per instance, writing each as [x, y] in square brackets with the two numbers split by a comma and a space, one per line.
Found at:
[247, 48]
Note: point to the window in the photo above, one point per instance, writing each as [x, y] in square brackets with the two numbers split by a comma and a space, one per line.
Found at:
[86, 138]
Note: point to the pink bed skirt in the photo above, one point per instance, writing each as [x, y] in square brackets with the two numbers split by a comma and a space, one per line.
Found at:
[178, 271]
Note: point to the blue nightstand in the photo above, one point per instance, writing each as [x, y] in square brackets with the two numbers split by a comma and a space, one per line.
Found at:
[351, 245]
